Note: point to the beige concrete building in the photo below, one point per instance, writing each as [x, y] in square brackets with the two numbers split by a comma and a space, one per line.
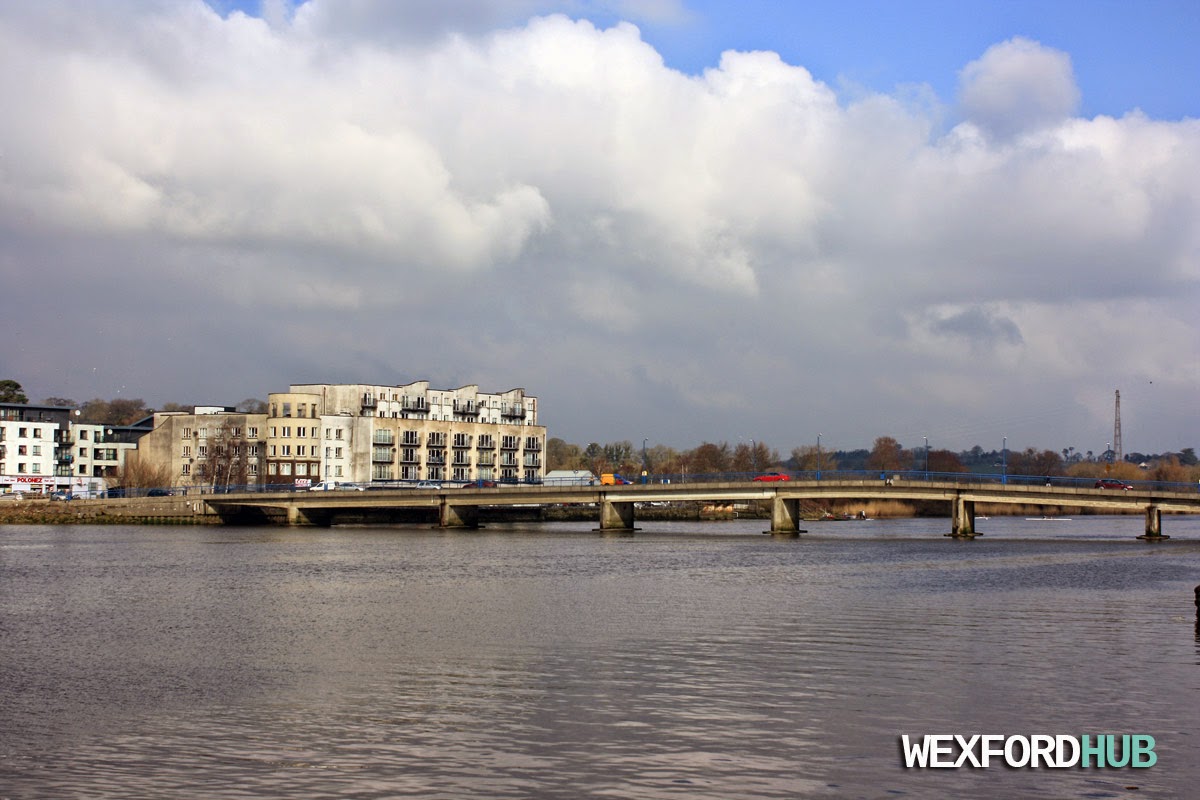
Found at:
[365, 433]
[212, 446]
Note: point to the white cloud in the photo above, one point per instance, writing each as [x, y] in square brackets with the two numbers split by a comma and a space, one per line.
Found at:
[552, 186]
[1018, 86]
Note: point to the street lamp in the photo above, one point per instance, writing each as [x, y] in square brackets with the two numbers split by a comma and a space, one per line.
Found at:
[926, 458]
[645, 464]
[818, 456]
[1004, 462]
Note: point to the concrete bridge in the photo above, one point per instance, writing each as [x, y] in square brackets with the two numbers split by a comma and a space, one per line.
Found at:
[460, 508]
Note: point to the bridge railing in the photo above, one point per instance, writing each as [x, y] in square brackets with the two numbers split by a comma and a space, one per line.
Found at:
[870, 476]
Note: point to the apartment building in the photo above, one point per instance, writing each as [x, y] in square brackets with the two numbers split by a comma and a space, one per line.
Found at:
[210, 446]
[43, 449]
[366, 433]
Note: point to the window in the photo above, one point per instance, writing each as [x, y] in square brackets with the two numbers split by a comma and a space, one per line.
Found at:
[187, 451]
[251, 433]
[314, 431]
[253, 469]
[301, 432]
[287, 409]
[83, 452]
[285, 468]
[285, 450]
[272, 451]
[273, 431]
[302, 468]
[23, 433]
[202, 451]
[337, 452]
[83, 436]
[337, 434]
[287, 431]
[204, 433]
[254, 451]
[37, 468]
[301, 410]
[186, 470]
[301, 450]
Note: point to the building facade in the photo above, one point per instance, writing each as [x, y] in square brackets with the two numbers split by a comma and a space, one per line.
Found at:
[364, 433]
[44, 449]
[213, 446]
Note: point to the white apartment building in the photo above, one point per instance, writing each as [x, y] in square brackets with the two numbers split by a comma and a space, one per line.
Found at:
[365, 433]
[28, 450]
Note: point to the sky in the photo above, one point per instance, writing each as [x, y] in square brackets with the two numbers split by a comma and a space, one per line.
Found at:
[964, 222]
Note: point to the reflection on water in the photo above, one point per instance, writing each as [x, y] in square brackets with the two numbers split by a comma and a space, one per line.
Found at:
[687, 661]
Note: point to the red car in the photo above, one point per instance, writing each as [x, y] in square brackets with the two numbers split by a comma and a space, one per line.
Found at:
[1113, 483]
[772, 476]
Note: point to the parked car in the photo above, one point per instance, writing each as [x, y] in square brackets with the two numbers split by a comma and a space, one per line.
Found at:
[158, 493]
[61, 495]
[1113, 483]
[480, 484]
[614, 479]
[428, 485]
[772, 476]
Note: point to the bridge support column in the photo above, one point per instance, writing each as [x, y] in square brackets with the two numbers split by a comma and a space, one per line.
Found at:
[785, 516]
[616, 516]
[962, 518]
[1153, 525]
[298, 517]
[458, 516]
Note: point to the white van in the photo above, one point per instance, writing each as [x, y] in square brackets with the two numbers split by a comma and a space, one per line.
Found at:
[335, 486]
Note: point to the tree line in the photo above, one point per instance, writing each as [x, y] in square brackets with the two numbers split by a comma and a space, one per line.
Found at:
[886, 455]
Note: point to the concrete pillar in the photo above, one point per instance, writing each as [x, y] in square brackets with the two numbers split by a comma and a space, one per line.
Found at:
[616, 516]
[962, 518]
[785, 515]
[1153, 525]
[297, 517]
[450, 516]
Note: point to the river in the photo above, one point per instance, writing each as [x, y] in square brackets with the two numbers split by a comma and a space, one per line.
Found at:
[688, 660]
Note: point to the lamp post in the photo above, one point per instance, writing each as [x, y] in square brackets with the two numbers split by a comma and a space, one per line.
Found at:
[818, 456]
[926, 458]
[645, 464]
[1004, 462]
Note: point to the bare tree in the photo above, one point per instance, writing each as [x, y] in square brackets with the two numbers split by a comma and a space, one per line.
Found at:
[225, 457]
[887, 454]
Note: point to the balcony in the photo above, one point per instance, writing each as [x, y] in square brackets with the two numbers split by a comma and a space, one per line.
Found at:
[368, 401]
[466, 407]
[382, 455]
[383, 437]
[414, 404]
[513, 410]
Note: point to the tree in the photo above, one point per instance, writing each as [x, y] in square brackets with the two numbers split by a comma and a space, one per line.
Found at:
[11, 392]
[114, 412]
[887, 454]
[561, 455]
[137, 475]
[709, 458]
[809, 459]
[1187, 457]
[176, 407]
[252, 406]
[59, 402]
[945, 461]
[224, 457]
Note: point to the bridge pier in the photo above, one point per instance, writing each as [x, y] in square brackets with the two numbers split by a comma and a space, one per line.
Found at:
[450, 516]
[616, 516]
[298, 517]
[962, 518]
[785, 516]
[1153, 525]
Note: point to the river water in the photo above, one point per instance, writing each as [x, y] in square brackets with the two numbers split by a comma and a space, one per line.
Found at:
[688, 660]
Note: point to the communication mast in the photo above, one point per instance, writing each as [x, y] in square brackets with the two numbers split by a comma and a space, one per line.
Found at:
[1119, 456]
